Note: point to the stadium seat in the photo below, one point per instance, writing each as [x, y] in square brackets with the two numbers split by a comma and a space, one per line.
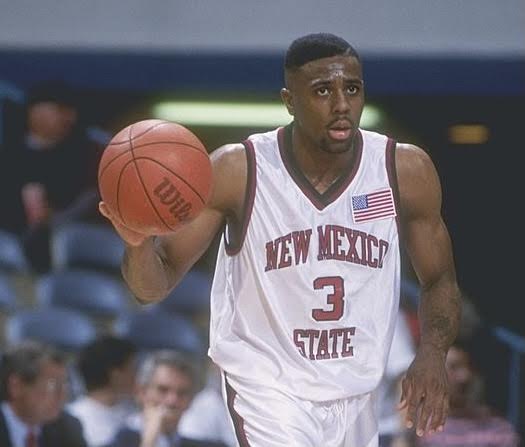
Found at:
[191, 296]
[8, 298]
[88, 246]
[94, 293]
[66, 329]
[151, 329]
[12, 256]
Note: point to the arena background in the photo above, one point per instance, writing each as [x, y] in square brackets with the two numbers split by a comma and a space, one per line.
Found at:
[429, 68]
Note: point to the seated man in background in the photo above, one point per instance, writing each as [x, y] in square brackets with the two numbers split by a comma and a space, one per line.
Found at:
[49, 171]
[167, 383]
[470, 423]
[107, 369]
[33, 387]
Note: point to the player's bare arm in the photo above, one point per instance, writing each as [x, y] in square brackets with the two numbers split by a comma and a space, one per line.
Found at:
[152, 266]
[429, 248]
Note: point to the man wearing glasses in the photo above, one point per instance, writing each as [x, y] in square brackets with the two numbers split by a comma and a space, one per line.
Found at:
[33, 391]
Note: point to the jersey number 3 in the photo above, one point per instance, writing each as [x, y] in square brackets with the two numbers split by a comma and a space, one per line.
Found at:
[336, 298]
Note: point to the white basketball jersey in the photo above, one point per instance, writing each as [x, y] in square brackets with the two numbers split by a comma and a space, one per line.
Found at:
[307, 301]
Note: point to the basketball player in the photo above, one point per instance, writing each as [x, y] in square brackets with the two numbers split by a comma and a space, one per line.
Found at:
[306, 286]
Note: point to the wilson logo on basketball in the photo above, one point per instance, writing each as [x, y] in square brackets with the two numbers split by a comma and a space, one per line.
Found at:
[171, 197]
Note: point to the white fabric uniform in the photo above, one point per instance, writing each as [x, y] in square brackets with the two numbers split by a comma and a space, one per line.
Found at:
[306, 302]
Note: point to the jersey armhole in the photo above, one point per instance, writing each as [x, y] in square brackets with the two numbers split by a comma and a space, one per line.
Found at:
[392, 178]
[234, 247]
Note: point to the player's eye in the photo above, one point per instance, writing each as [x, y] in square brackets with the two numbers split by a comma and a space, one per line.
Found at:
[323, 91]
[352, 89]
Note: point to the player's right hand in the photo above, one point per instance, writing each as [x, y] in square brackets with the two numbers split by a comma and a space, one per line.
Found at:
[128, 235]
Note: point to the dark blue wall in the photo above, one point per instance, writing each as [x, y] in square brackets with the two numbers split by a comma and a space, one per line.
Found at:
[147, 72]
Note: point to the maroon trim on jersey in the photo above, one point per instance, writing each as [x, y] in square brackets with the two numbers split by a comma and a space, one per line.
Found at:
[251, 177]
[238, 421]
[392, 178]
[320, 201]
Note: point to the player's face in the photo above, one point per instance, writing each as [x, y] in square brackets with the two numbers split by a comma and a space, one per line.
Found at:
[326, 99]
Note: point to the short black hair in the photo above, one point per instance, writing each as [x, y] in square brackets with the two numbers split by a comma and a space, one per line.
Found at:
[98, 358]
[25, 360]
[316, 46]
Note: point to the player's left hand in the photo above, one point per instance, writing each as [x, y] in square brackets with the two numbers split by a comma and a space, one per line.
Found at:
[424, 393]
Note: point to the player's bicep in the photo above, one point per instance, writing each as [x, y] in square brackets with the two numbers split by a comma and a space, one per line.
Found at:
[429, 248]
[426, 236]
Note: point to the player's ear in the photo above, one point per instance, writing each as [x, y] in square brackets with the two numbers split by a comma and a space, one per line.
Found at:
[286, 96]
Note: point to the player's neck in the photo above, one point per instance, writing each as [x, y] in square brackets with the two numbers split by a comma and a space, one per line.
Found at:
[321, 168]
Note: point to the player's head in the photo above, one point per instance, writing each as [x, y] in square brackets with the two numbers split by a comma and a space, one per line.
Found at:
[324, 90]
[316, 46]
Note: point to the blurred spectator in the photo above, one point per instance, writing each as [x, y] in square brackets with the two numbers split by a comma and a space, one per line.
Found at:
[207, 418]
[470, 422]
[167, 383]
[49, 173]
[402, 352]
[107, 370]
[33, 387]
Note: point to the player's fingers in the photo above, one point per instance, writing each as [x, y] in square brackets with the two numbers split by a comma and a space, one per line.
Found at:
[402, 404]
[425, 412]
[102, 207]
[105, 211]
[436, 417]
[413, 400]
[130, 236]
[442, 417]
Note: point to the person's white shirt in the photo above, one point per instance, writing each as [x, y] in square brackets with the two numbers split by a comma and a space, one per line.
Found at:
[99, 422]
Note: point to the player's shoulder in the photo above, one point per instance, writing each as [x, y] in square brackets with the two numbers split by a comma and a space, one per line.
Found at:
[417, 178]
[229, 156]
[230, 173]
[412, 160]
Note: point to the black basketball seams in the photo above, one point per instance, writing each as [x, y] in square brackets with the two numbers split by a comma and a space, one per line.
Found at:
[154, 126]
[176, 175]
[149, 144]
[131, 148]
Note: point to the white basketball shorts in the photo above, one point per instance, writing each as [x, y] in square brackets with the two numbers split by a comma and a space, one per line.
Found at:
[268, 417]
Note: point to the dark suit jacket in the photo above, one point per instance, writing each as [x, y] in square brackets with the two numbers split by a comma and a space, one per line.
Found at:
[128, 437]
[66, 431]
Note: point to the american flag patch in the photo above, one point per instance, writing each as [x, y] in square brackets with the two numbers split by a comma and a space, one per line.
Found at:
[373, 206]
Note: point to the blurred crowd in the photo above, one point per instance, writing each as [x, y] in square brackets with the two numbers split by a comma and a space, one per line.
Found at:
[48, 169]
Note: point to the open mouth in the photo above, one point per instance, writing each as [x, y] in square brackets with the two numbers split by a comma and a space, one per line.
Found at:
[340, 130]
[339, 133]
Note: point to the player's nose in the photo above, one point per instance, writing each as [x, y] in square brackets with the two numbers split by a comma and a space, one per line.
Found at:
[341, 102]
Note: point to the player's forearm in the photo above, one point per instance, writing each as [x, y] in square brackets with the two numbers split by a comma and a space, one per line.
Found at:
[146, 272]
[440, 313]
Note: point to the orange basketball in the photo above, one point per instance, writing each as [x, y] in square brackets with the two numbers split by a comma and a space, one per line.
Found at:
[154, 176]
